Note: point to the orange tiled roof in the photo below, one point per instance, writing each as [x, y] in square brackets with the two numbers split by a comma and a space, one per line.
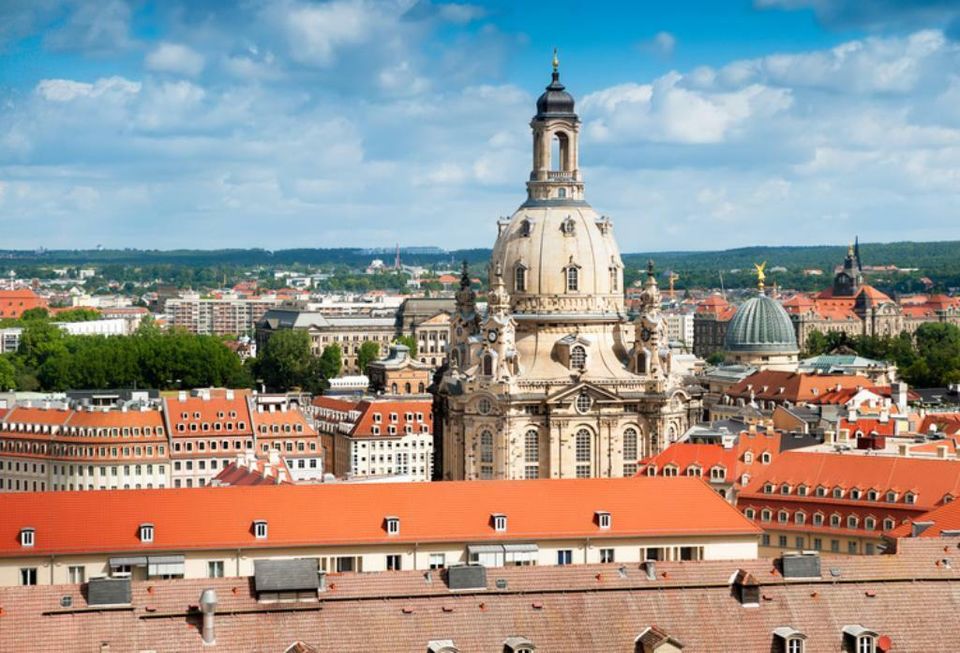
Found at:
[371, 409]
[930, 480]
[777, 385]
[29, 415]
[944, 518]
[429, 512]
[282, 418]
[217, 409]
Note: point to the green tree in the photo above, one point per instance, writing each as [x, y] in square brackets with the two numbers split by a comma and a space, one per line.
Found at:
[369, 352]
[38, 313]
[38, 341]
[8, 374]
[410, 342]
[331, 361]
[287, 361]
[815, 344]
[715, 358]
[77, 315]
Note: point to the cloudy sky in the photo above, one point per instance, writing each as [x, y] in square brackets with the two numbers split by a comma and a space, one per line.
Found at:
[296, 123]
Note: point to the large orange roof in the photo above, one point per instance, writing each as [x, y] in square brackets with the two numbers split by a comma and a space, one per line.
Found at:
[107, 520]
[944, 518]
[114, 418]
[28, 415]
[282, 418]
[378, 413]
[778, 385]
[218, 408]
[930, 480]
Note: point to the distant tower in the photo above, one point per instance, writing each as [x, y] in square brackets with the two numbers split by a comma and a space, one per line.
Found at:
[396, 258]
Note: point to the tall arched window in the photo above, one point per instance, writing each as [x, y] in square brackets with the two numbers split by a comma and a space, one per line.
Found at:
[630, 452]
[614, 277]
[525, 228]
[421, 389]
[578, 357]
[393, 388]
[583, 453]
[531, 454]
[407, 389]
[520, 279]
[486, 454]
[573, 279]
[488, 365]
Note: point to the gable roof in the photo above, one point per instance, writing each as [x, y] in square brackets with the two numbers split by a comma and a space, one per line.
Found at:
[796, 387]
[299, 515]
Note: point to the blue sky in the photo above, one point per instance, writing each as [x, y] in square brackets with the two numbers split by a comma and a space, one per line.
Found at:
[301, 123]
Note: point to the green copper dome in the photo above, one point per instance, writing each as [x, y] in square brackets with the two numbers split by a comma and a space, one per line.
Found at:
[761, 324]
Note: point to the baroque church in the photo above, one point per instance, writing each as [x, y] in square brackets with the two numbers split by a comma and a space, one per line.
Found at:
[555, 380]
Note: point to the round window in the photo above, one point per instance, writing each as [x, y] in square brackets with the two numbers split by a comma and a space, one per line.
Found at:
[584, 402]
[484, 406]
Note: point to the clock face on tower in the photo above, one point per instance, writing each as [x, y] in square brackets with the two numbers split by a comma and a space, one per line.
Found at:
[492, 335]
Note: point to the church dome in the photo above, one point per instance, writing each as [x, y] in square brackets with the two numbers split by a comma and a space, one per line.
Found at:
[761, 324]
[555, 101]
[560, 259]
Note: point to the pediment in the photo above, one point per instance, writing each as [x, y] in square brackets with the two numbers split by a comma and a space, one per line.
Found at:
[596, 392]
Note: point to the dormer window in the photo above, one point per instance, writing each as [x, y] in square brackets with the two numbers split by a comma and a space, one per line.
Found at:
[802, 490]
[862, 639]
[392, 525]
[793, 640]
[837, 493]
[765, 458]
[910, 498]
[872, 495]
[603, 519]
[146, 533]
[748, 458]
[768, 488]
[891, 497]
[785, 489]
[821, 491]
[499, 522]
[855, 494]
[260, 529]
[27, 536]
[578, 357]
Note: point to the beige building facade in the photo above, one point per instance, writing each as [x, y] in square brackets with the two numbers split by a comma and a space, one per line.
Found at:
[555, 381]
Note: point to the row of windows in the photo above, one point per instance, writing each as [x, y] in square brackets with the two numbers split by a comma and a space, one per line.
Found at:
[206, 427]
[203, 445]
[281, 428]
[836, 520]
[91, 432]
[854, 494]
[816, 543]
[76, 450]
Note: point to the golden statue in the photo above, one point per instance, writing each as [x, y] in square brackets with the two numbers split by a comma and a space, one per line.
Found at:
[761, 276]
[556, 60]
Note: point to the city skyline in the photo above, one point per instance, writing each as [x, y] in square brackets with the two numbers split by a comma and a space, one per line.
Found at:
[367, 124]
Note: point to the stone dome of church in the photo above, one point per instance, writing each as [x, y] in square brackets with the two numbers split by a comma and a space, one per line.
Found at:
[560, 259]
[761, 324]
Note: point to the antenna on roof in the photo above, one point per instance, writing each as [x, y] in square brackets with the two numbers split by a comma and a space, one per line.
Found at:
[723, 293]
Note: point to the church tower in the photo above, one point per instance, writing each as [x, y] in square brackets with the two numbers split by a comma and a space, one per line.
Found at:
[555, 381]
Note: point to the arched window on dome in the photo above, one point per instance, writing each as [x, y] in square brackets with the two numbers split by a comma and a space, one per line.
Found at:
[630, 452]
[525, 228]
[531, 454]
[520, 278]
[573, 279]
[488, 365]
[578, 357]
[614, 279]
[486, 454]
[583, 448]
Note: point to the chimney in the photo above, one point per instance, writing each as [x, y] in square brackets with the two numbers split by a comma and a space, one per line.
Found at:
[828, 436]
[650, 566]
[902, 450]
[229, 394]
[274, 457]
[241, 460]
[182, 395]
[852, 415]
[746, 589]
[941, 451]
[208, 604]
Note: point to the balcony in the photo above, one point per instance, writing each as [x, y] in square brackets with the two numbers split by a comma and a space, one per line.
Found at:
[561, 175]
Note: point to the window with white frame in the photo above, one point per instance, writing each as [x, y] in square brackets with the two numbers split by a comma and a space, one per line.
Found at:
[603, 519]
[630, 449]
[393, 525]
[486, 454]
[28, 536]
[583, 451]
[818, 519]
[499, 522]
[794, 645]
[520, 279]
[573, 279]
[146, 533]
[578, 357]
[866, 644]
[531, 454]
[215, 569]
[260, 529]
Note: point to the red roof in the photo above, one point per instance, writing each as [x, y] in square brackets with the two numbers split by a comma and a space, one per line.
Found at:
[684, 455]
[780, 386]
[233, 415]
[252, 473]
[14, 302]
[380, 414]
[944, 518]
[300, 515]
[266, 420]
[929, 479]
[717, 306]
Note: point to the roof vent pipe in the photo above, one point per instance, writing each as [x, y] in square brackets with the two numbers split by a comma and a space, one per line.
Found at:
[208, 604]
[651, 568]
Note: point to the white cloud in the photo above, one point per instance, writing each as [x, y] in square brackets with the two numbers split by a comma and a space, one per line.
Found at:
[316, 32]
[66, 90]
[175, 58]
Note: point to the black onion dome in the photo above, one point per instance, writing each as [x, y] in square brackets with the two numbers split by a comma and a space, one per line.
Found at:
[555, 101]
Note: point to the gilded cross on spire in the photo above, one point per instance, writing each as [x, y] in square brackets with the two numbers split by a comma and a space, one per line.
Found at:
[556, 61]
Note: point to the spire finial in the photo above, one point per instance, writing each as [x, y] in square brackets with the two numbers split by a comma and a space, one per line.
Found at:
[556, 61]
[761, 274]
